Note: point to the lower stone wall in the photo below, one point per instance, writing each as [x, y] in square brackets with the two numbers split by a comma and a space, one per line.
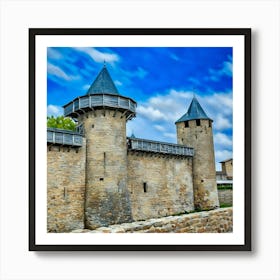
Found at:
[214, 221]
[66, 188]
[225, 197]
[159, 185]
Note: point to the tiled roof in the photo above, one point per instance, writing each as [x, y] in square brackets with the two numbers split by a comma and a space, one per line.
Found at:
[194, 112]
[103, 84]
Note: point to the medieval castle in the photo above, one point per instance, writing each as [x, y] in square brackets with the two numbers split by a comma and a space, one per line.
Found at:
[97, 176]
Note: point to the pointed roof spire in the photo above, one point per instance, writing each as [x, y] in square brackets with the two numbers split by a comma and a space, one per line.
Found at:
[132, 135]
[103, 83]
[195, 112]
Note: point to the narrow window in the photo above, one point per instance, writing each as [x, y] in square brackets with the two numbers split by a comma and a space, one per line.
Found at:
[197, 122]
[101, 179]
[187, 124]
[210, 124]
[145, 186]
[104, 164]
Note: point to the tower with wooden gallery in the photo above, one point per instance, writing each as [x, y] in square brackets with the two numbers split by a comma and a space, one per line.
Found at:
[103, 112]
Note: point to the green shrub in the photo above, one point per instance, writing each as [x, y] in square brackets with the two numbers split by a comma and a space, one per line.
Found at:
[225, 205]
[225, 187]
[61, 122]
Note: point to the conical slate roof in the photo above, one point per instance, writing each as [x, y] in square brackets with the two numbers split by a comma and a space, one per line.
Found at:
[103, 84]
[195, 112]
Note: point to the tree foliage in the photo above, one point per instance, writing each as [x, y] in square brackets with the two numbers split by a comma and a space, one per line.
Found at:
[61, 123]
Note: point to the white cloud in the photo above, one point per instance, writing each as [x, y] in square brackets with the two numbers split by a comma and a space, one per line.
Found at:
[58, 72]
[159, 127]
[54, 54]
[225, 70]
[181, 94]
[219, 106]
[194, 81]
[53, 110]
[118, 83]
[223, 99]
[141, 73]
[160, 108]
[222, 122]
[163, 103]
[170, 104]
[98, 56]
[150, 113]
[222, 139]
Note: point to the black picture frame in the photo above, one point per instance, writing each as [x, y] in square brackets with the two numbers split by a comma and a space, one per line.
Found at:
[243, 32]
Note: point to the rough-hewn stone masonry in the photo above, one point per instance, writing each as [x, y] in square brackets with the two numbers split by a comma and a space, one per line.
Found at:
[97, 176]
[225, 196]
[213, 221]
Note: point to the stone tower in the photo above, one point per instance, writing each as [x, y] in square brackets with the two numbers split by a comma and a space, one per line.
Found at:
[194, 129]
[103, 112]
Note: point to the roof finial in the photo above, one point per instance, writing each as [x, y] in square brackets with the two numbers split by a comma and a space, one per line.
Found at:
[132, 135]
[194, 89]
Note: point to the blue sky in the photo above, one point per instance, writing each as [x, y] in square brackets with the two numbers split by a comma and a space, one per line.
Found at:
[161, 80]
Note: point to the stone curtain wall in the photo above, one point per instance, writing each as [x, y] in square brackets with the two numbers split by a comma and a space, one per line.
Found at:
[225, 196]
[66, 188]
[159, 185]
[214, 221]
